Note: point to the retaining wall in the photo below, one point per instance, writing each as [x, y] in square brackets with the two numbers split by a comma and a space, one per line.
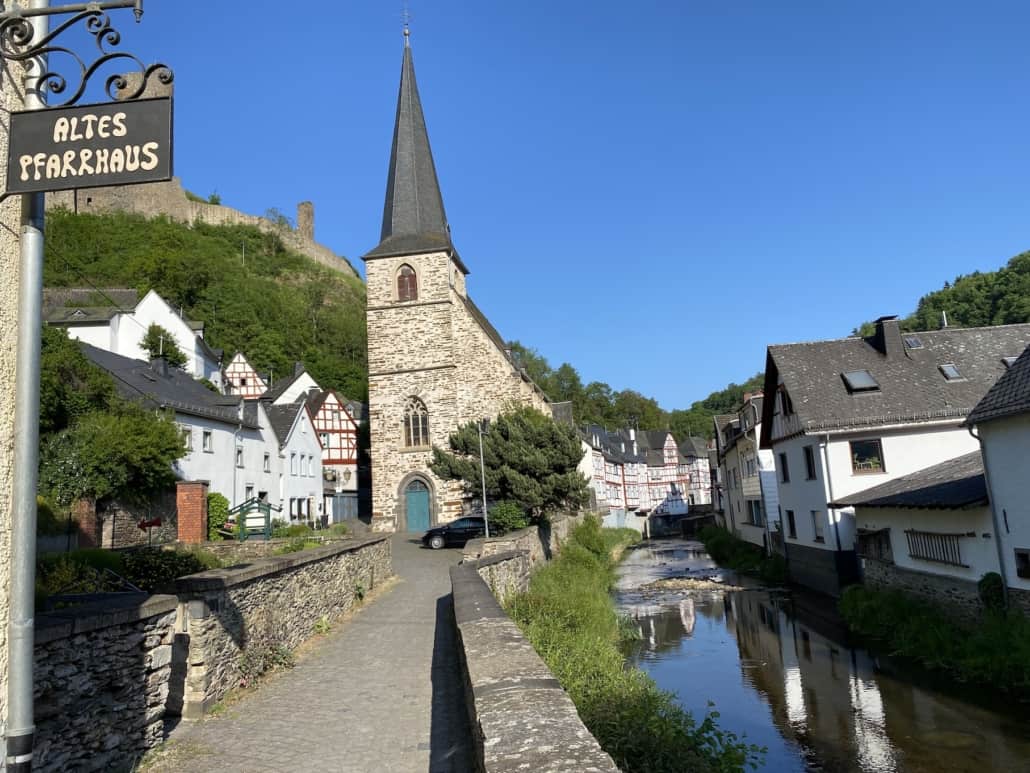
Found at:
[953, 594]
[109, 675]
[270, 602]
[104, 681]
[521, 717]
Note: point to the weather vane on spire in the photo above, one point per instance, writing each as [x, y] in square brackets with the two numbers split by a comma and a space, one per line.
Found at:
[406, 17]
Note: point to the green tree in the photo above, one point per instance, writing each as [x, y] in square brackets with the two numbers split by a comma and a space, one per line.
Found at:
[70, 385]
[158, 342]
[217, 514]
[126, 454]
[530, 460]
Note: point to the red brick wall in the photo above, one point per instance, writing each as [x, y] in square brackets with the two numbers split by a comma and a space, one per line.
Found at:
[84, 513]
[191, 502]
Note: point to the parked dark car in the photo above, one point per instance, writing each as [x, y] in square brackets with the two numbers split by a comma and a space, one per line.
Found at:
[454, 534]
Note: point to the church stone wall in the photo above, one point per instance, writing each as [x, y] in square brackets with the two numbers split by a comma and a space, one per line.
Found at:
[434, 349]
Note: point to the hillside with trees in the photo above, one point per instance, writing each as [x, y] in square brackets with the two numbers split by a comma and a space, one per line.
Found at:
[253, 295]
[979, 299]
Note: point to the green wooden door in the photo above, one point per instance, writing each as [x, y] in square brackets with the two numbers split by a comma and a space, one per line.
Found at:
[416, 506]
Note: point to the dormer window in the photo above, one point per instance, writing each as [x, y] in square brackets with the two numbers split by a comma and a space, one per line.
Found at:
[951, 373]
[913, 342]
[786, 406]
[860, 381]
[407, 284]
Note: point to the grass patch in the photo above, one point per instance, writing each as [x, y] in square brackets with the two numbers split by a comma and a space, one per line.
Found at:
[569, 617]
[994, 652]
[730, 551]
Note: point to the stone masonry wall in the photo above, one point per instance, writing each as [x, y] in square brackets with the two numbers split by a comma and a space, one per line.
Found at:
[103, 683]
[169, 199]
[269, 602]
[539, 543]
[521, 717]
[953, 594]
[434, 349]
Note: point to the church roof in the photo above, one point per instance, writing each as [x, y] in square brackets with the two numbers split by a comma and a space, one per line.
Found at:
[414, 220]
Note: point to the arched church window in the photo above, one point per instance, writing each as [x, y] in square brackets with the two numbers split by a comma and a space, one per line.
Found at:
[416, 424]
[407, 284]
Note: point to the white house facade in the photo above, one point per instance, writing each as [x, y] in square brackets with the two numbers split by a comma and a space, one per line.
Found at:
[121, 332]
[300, 460]
[1002, 420]
[845, 415]
[241, 378]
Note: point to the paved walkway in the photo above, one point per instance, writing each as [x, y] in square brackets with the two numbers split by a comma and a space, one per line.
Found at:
[381, 693]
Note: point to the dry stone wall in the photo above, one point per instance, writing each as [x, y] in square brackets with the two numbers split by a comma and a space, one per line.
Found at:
[104, 682]
[960, 597]
[271, 602]
[169, 199]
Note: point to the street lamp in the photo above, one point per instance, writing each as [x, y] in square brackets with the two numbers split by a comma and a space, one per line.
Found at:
[483, 426]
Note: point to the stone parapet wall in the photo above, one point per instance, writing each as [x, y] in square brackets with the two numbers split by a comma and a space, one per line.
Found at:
[110, 674]
[539, 543]
[505, 574]
[270, 602]
[521, 718]
[230, 551]
[956, 595]
[104, 682]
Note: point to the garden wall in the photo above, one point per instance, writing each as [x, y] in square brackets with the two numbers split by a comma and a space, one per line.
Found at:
[271, 602]
[104, 681]
[109, 674]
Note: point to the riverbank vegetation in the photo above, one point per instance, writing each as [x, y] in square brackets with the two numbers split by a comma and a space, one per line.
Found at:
[569, 617]
[994, 652]
[734, 553]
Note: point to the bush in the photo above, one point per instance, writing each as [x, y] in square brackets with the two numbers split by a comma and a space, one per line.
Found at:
[48, 523]
[569, 617]
[991, 590]
[286, 531]
[154, 570]
[994, 652]
[217, 515]
[338, 529]
[297, 544]
[727, 550]
[507, 516]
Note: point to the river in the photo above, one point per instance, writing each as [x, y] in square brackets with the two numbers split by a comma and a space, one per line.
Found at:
[778, 667]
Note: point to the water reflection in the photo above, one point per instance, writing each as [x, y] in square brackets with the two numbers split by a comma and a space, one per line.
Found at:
[779, 668]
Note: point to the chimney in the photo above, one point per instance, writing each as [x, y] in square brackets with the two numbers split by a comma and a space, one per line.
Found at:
[160, 366]
[887, 338]
[298, 368]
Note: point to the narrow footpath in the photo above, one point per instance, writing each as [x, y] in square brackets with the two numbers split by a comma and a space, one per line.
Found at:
[381, 693]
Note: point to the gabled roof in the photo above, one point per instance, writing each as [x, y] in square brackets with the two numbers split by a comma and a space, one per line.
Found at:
[911, 385]
[951, 485]
[1009, 396]
[694, 447]
[140, 381]
[282, 418]
[414, 220]
[277, 389]
[78, 315]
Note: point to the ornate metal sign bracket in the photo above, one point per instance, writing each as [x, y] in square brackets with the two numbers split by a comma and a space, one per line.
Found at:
[17, 44]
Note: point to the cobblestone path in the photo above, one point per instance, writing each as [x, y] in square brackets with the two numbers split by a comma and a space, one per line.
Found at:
[381, 693]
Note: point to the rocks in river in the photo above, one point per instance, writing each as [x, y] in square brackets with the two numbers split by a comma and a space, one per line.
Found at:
[690, 583]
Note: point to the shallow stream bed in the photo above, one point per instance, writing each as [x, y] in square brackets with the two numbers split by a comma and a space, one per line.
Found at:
[779, 668]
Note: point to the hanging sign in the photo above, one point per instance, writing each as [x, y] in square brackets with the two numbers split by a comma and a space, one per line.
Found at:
[90, 146]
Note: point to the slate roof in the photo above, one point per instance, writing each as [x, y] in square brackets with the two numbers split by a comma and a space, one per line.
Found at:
[282, 417]
[912, 388]
[137, 380]
[1009, 396]
[414, 219]
[358, 410]
[615, 445]
[65, 315]
[951, 485]
[277, 389]
[694, 446]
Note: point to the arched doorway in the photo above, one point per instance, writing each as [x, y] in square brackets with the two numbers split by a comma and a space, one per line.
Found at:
[416, 506]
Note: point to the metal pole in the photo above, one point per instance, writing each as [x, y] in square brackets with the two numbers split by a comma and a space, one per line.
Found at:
[482, 473]
[21, 636]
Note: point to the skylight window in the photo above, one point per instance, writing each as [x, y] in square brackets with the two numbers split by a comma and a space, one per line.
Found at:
[1009, 361]
[860, 381]
[951, 373]
[913, 342]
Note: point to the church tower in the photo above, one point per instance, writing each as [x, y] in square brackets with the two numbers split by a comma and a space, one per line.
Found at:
[434, 360]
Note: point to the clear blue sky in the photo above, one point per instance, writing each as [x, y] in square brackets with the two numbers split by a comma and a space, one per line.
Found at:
[651, 191]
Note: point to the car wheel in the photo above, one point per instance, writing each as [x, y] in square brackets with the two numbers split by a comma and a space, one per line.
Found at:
[436, 542]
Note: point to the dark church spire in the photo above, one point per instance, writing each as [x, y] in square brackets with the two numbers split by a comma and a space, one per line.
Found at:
[413, 216]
